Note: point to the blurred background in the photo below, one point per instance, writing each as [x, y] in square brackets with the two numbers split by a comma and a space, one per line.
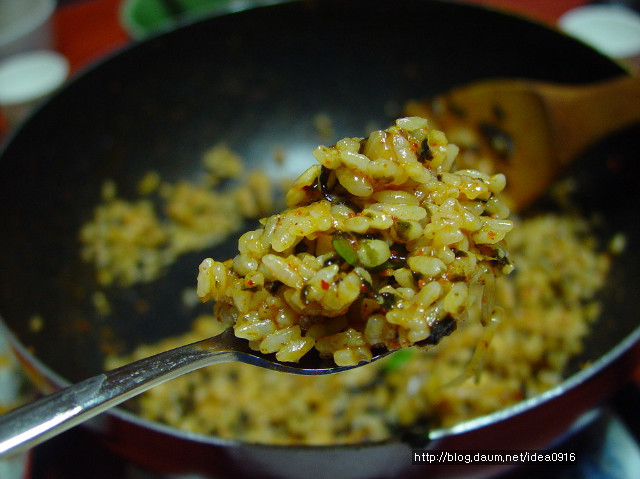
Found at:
[45, 42]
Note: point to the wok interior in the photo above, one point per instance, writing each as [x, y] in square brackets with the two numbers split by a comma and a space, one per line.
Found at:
[255, 80]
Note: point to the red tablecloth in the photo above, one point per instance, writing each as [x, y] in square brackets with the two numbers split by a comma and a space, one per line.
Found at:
[87, 30]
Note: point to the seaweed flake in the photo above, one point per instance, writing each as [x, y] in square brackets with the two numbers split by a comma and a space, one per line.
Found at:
[499, 140]
[442, 328]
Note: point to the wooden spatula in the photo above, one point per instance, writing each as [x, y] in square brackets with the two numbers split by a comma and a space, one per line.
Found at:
[533, 130]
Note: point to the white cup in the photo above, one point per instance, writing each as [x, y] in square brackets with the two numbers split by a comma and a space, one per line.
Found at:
[614, 30]
[26, 25]
[27, 78]
[29, 68]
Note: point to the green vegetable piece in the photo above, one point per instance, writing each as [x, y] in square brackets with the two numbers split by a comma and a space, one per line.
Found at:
[398, 359]
[345, 248]
[373, 253]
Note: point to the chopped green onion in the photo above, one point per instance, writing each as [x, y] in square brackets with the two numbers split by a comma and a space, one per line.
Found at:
[372, 253]
[399, 358]
[345, 248]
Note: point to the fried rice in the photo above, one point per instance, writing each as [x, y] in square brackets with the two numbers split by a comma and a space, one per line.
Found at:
[383, 245]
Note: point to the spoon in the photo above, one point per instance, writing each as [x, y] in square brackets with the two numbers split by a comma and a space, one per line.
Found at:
[533, 130]
[40, 420]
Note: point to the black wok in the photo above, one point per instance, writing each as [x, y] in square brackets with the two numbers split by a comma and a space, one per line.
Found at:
[255, 80]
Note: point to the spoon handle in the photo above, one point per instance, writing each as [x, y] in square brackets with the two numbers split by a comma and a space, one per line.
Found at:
[38, 421]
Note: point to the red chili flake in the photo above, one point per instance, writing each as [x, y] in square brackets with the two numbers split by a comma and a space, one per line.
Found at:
[394, 219]
[251, 282]
[324, 285]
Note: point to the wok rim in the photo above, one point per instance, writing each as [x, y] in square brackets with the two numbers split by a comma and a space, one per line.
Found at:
[56, 381]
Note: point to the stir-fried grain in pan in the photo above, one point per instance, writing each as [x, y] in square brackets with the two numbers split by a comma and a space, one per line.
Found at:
[133, 241]
[548, 306]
